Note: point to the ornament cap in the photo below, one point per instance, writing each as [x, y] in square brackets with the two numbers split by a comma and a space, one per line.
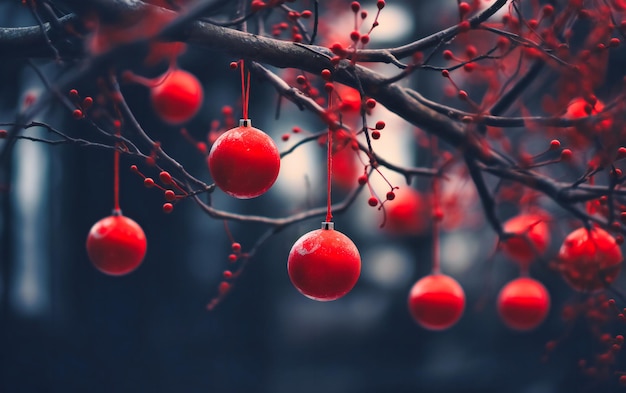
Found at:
[328, 225]
[245, 123]
[116, 212]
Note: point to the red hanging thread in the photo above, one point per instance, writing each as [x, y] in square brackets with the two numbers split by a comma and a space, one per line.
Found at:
[245, 88]
[329, 165]
[116, 176]
[437, 212]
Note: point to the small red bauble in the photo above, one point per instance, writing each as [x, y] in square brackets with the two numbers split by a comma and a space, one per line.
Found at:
[436, 302]
[590, 259]
[523, 304]
[178, 97]
[532, 240]
[324, 264]
[244, 161]
[116, 245]
[407, 212]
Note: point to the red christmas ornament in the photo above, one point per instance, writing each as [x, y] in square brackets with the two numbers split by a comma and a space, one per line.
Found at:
[244, 161]
[116, 245]
[407, 213]
[532, 240]
[590, 259]
[178, 97]
[523, 304]
[324, 264]
[436, 301]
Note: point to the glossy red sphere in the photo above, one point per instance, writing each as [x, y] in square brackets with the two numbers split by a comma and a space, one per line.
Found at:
[436, 302]
[532, 240]
[178, 97]
[407, 213]
[324, 264]
[523, 304]
[590, 259]
[244, 162]
[116, 245]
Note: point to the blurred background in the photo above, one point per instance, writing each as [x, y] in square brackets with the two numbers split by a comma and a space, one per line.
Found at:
[65, 327]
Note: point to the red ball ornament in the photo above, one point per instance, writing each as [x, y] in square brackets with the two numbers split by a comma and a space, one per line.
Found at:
[532, 240]
[324, 264]
[523, 304]
[244, 161]
[116, 245]
[178, 97]
[407, 213]
[590, 259]
[436, 302]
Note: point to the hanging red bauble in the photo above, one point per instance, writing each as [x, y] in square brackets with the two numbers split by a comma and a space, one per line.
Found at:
[436, 301]
[116, 245]
[523, 304]
[532, 240]
[407, 213]
[324, 264]
[178, 97]
[590, 259]
[244, 161]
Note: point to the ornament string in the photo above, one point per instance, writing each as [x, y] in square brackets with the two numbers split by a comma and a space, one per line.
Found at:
[116, 176]
[329, 166]
[437, 213]
[245, 89]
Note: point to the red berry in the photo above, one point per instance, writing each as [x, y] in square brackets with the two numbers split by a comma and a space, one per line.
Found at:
[436, 302]
[590, 259]
[178, 97]
[169, 195]
[244, 162]
[168, 208]
[523, 304]
[372, 201]
[116, 245]
[165, 177]
[566, 154]
[87, 102]
[532, 240]
[464, 8]
[324, 264]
